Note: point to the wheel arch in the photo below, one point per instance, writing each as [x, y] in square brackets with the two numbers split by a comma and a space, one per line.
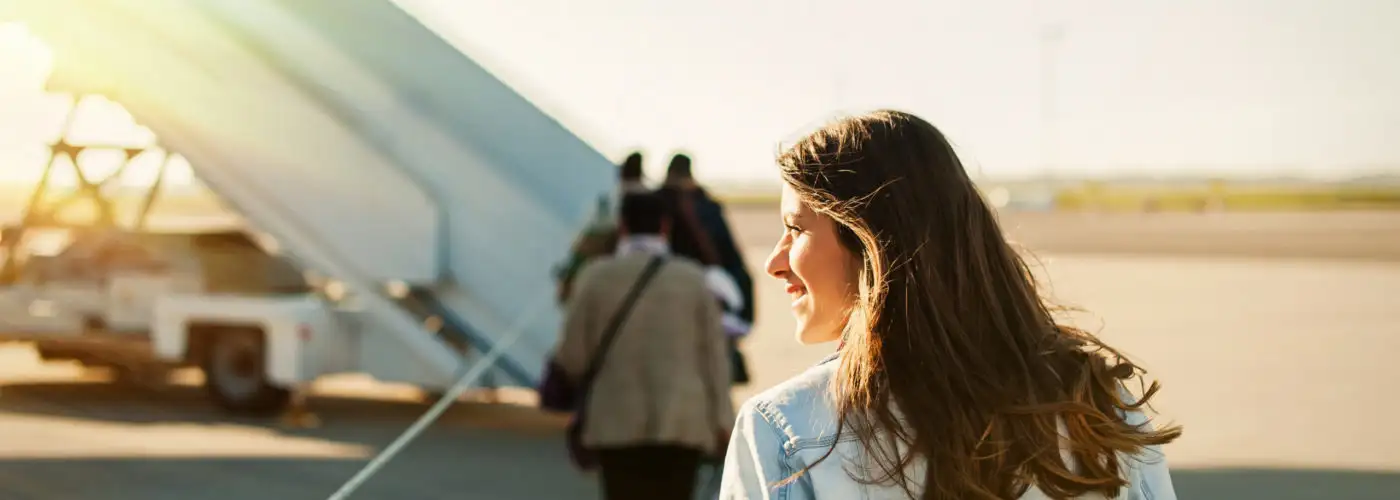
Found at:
[200, 333]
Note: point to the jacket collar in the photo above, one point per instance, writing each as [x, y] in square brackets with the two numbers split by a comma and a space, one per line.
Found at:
[647, 244]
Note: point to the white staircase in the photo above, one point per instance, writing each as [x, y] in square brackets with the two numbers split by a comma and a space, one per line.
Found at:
[370, 148]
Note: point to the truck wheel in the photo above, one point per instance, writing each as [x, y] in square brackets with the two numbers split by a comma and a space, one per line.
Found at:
[235, 373]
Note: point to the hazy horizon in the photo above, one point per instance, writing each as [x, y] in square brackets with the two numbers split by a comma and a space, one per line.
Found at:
[1246, 89]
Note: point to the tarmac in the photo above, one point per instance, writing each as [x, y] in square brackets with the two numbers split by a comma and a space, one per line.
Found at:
[1273, 335]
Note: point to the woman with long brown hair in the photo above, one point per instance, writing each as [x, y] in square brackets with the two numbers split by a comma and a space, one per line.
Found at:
[952, 380]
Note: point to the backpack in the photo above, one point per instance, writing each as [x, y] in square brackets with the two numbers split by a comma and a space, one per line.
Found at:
[598, 239]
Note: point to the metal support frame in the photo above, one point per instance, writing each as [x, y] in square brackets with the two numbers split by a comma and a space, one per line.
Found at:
[39, 214]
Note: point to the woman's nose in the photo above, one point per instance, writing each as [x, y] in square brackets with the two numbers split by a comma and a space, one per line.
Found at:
[777, 265]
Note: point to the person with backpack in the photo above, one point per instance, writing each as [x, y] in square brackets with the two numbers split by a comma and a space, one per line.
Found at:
[599, 237]
[702, 234]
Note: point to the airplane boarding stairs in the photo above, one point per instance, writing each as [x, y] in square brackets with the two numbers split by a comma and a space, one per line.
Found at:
[367, 146]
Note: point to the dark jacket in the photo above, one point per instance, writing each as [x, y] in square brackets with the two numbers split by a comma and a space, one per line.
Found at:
[700, 231]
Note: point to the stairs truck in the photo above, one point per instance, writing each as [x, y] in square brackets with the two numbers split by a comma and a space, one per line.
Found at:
[426, 199]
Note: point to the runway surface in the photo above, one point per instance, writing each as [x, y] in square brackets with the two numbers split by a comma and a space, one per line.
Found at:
[1278, 361]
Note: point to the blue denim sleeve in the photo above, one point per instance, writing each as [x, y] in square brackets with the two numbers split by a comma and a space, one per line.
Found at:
[756, 461]
[1151, 479]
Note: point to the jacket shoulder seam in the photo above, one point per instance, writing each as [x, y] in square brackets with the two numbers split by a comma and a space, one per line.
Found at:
[779, 425]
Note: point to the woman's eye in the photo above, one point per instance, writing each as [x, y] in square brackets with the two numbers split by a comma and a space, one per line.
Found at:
[792, 228]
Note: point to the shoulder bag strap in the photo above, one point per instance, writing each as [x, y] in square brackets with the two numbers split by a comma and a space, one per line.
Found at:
[595, 363]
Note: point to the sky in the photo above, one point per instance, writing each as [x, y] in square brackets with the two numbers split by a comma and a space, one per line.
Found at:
[1236, 88]
[31, 119]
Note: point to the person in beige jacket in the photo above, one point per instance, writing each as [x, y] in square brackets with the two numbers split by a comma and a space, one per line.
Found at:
[660, 401]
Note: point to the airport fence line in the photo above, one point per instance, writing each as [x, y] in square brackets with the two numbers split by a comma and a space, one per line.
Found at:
[1092, 196]
[1221, 196]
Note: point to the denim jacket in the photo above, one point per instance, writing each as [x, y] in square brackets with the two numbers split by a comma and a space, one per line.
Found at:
[792, 424]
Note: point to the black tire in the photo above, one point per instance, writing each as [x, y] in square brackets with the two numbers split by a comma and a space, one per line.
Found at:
[235, 373]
